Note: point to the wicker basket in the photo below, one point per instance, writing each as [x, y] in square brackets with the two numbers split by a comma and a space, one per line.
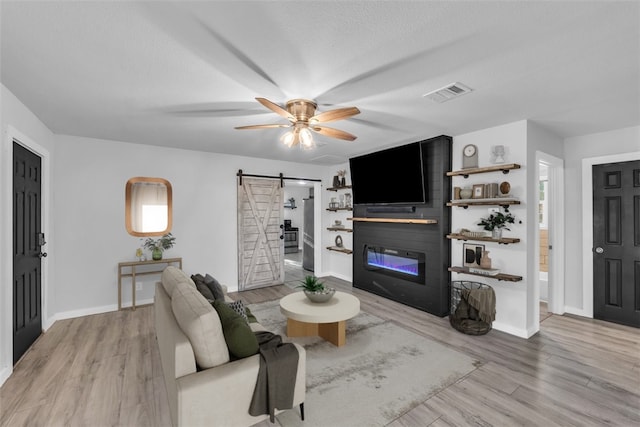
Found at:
[465, 324]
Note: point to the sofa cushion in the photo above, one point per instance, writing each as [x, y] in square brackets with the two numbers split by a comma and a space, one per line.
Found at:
[173, 275]
[239, 337]
[201, 324]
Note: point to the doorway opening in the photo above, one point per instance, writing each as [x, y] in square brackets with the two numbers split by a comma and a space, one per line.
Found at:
[300, 237]
[549, 290]
[543, 232]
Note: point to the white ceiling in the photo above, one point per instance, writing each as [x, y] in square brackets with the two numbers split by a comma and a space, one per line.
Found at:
[184, 74]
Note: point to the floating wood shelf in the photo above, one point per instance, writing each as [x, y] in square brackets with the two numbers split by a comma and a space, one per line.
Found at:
[499, 276]
[338, 188]
[483, 202]
[346, 230]
[339, 209]
[503, 240]
[396, 220]
[338, 249]
[466, 172]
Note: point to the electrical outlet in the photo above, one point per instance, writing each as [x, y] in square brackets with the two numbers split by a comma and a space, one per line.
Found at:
[493, 210]
[138, 286]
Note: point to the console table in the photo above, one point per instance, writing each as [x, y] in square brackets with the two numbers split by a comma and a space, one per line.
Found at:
[154, 267]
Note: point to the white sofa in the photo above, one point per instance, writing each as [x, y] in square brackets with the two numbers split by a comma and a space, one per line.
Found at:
[218, 395]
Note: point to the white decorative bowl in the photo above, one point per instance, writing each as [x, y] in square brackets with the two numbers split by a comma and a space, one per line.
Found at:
[321, 296]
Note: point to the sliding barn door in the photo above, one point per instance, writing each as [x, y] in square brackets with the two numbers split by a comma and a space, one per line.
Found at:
[260, 234]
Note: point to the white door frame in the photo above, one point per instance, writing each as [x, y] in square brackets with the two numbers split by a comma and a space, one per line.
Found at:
[317, 229]
[6, 247]
[587, 223]
[555, 199]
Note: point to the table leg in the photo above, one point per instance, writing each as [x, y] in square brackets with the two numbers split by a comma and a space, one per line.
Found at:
[133, 287]
[335, 333]
[301, 329]
[119, 288]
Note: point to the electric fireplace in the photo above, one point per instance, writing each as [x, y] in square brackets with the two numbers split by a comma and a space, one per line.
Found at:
[394, 257]
[408, 265]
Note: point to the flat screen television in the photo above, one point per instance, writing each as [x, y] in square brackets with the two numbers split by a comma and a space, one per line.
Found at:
[390, 176]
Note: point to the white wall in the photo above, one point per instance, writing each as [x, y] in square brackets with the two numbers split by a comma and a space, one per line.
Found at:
[16, 121]
[89, 207]
[580, 152]
[511, 297]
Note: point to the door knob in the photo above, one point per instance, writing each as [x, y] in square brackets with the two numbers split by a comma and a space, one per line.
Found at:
[42, 255]
[599, 250]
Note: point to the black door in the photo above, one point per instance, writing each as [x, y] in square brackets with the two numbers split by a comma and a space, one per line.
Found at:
[27, 241]
[616, 235]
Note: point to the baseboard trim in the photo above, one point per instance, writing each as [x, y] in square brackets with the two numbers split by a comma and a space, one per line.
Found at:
[5, 373]
[96, 310]
[577, 311]
[522, 333]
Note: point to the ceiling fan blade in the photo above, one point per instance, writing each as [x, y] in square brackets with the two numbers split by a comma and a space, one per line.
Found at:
[276, 108]
[333, 115]
[333, 133]
[262, 126]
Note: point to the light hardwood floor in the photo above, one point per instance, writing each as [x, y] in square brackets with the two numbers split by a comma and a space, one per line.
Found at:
[104, 370]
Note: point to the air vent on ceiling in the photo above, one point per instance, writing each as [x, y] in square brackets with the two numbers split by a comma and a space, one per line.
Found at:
[448, 92]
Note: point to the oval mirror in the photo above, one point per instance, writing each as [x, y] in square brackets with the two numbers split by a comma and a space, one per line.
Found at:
[148, 206]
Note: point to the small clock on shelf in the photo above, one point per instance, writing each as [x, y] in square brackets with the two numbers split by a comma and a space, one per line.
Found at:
[469, 156]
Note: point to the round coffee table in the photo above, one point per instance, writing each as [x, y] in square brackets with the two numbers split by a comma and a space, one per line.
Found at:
[327, 320]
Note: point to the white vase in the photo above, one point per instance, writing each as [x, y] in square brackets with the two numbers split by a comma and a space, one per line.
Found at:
[496, 233]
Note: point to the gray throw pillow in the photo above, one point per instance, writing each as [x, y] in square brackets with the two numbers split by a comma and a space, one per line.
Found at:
[205, 291]
[214, 285]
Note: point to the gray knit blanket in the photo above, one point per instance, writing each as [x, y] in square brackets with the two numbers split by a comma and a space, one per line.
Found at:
[276, 376]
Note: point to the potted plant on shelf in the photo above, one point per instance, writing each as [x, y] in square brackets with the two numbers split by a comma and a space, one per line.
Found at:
[315, 290]
[496, 222]
[158, 246]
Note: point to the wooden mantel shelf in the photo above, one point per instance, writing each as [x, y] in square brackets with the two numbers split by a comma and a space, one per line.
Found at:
[396, 220]
[505, 168]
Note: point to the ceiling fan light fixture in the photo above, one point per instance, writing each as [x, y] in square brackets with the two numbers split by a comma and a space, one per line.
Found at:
[287, 138]
[306, 139]
[302, 116]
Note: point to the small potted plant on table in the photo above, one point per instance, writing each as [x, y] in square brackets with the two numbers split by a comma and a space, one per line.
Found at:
[158, 246]
[315, 290]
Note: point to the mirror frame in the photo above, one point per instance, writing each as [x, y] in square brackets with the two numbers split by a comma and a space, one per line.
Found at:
[127, 209]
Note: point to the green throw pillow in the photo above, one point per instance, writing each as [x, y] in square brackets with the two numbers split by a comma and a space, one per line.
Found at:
[250, 317]
[238, 335]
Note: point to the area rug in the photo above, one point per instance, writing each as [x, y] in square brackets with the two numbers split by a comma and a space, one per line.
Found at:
[381, 372]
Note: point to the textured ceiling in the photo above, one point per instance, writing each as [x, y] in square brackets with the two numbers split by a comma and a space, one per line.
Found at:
[184, 74]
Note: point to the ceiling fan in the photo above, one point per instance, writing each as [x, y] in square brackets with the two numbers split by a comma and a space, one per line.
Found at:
[302, 115]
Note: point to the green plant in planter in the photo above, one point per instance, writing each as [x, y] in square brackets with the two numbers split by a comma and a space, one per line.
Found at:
[158, 246]
[497, 220]
[311, 284]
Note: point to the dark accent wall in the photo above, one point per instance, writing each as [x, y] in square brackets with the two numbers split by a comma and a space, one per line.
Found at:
[433, 295]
